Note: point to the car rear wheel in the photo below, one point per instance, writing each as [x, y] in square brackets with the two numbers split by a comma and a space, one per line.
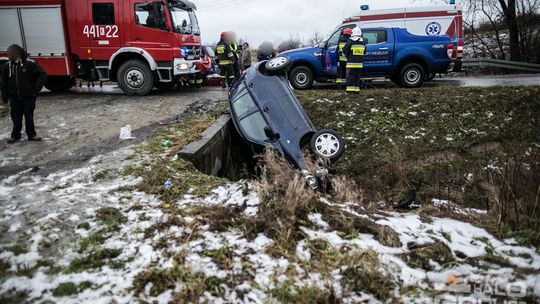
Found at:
[412, 75]
[327, 144]
[301, 78]
[135, 77]
[278, 65]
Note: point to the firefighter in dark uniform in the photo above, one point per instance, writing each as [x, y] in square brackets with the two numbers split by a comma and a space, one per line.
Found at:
[231, 37]
[341, 58]
[354, 50]
[225, 57]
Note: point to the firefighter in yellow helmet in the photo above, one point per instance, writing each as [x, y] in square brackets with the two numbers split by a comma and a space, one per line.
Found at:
[355, 50]
[342, 59]
[225, 57]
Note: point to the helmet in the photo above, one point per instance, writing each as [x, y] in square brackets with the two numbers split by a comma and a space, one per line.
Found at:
[347, 31]
[357, 32]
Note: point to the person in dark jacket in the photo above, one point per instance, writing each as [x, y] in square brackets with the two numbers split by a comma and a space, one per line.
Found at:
[354, 50]
[224, 59]
[231, 37]
[21, 81]
[341, 58]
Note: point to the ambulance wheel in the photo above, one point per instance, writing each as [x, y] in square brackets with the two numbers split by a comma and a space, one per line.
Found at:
[58, 84]
[412, 75]
[301, 78]
[135, 77]
[327, 144]
[278, 65]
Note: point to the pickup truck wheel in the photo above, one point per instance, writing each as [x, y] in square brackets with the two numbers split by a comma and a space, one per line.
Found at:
[327, 144]
[412, 75]
[301, 78]
[135, 77]
[58, 84]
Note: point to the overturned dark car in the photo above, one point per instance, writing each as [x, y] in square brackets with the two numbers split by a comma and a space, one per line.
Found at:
[267, 114]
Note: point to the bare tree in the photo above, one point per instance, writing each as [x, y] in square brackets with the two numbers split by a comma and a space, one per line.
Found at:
[314, 39]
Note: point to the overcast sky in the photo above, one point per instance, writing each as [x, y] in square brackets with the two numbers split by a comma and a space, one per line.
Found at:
[273, 20]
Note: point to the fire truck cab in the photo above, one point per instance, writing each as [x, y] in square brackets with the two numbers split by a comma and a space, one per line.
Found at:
[140, 44]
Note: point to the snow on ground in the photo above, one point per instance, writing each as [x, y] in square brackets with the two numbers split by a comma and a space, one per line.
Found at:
[51, 216]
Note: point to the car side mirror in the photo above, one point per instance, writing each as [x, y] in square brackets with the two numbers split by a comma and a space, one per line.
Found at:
[270, 133]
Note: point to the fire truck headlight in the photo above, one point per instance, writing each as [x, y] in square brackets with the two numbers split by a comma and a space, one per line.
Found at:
[183, 66]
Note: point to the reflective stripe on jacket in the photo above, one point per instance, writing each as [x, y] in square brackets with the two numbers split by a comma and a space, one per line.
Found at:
[355, 51]
[224, 53]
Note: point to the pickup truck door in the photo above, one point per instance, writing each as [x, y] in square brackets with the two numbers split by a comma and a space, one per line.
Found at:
[380, 51]
[329, 61]
[329, 52]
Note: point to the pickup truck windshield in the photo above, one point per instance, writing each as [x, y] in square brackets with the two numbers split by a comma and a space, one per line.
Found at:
[185, 21]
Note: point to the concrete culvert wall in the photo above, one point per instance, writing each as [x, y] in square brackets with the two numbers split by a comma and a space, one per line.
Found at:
[219, 152]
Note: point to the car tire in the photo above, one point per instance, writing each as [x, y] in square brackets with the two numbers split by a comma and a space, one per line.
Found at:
[327, 144]
[301, 78]
[412, 75]
[135, 78]
[59, 84]
[278, 65]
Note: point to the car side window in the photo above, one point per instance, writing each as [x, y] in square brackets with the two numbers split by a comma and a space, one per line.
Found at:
[334, 39]
[375, 36]
[243, 104]
[145, 15]
[103, 13]
[254, 125]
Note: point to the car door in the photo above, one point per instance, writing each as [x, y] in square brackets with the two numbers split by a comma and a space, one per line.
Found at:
[329, 53]
[150, 29]
[379, 51]
[104, 32]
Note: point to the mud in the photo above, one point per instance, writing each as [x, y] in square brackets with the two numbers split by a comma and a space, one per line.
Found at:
[86, 122]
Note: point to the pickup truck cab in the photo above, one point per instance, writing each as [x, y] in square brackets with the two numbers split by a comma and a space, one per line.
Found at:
[392, 53]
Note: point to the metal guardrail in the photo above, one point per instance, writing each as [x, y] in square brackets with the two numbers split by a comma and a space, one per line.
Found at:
[502, 64]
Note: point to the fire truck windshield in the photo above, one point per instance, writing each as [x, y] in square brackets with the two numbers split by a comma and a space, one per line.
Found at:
[185, 21]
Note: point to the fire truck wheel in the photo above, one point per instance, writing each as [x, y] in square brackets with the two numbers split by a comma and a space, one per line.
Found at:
[135, 77]
[412, 75]
[59, 84]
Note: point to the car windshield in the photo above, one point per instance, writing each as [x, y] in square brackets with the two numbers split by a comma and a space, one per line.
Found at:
[184, 21]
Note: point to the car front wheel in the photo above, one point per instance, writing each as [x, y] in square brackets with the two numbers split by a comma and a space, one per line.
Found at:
[301, 78]
[327, 144]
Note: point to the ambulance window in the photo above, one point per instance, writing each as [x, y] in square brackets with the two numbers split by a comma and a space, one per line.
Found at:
[150, 15]
[373, 37]
[103, 13]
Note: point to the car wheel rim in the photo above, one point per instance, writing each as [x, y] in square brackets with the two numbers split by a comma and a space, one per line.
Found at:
[412, 76]
[301, 78]
[327, 145]
[134, 78]
[277, 62]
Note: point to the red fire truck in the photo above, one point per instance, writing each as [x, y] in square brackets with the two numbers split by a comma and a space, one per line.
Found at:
[140, 44]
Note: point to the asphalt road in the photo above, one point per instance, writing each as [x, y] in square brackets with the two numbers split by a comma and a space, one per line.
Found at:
[86, 122]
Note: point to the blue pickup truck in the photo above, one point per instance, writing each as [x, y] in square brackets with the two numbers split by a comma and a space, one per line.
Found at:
[394, 53]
